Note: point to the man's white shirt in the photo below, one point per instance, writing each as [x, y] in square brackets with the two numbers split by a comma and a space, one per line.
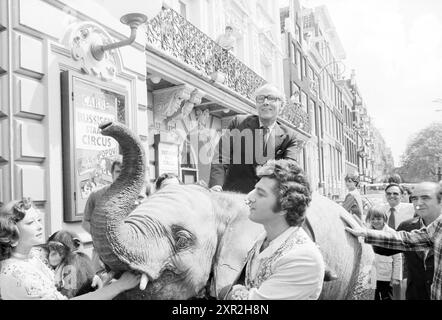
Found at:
[271, 132]
[403, 211]
[297, 274]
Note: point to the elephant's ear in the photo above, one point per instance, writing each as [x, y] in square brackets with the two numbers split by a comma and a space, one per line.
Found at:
[234, 244]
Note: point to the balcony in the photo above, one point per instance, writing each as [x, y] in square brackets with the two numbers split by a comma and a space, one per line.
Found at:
[293, 113]
[173, 36]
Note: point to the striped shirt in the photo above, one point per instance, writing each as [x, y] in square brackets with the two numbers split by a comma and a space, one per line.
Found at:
[429, 237]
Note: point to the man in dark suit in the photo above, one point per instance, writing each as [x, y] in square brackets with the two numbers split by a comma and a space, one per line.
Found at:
[251, 140]
[426, 199]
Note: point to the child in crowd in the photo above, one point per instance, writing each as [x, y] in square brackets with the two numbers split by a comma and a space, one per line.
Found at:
[388, 268]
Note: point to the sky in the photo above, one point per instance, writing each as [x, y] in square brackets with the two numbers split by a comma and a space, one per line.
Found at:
[395, 47]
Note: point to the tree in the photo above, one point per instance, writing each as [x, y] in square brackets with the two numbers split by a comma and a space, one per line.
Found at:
[383, 158]
[394, 178]
[423, 155]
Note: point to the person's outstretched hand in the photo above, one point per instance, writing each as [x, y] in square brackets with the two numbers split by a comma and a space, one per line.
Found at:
[355, 225]
[128, 280]
[107, 277]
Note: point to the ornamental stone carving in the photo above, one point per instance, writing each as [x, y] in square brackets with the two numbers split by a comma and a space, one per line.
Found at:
[169, 100]
[186, 106]
[79, 37]
[195, 98]
[202, 117]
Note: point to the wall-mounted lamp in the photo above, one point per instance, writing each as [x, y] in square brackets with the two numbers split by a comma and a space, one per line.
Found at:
[91, 45]
[155, 79]
[131, 19]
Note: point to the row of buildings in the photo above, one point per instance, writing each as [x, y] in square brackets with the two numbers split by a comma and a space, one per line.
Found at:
[174, 86]
[341, 137]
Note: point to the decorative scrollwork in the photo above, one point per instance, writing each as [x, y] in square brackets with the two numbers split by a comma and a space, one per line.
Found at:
[293, 113]
[80, 37]
[172, 33]
[168, 101]
[178, 38]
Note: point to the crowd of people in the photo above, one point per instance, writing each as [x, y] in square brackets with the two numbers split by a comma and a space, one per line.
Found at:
[406, 228]
[57, 269]
[284, 262]
[24, 274]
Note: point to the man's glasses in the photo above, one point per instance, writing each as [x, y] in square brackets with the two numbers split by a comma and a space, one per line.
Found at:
[392, 194]
[270, 98]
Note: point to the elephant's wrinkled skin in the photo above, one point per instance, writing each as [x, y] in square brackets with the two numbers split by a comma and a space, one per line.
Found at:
[187, 239]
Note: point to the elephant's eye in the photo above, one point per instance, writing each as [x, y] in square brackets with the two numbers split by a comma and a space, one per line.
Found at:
[183, 238]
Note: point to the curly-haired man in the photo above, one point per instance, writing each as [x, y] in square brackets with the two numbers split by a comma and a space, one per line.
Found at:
[284, 263]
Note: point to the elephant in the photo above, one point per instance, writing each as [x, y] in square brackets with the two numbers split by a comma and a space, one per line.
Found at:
[188, 241]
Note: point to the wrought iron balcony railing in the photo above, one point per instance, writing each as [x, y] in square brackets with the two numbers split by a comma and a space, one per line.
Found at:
[293, 113]
[172, 34]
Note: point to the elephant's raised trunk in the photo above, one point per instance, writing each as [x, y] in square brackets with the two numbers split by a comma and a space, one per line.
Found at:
[107, 221]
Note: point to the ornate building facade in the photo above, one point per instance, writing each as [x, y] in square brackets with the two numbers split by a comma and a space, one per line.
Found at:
[194, 85]
[341, 140]
[312, 77]
[174, 86]
[54, 94]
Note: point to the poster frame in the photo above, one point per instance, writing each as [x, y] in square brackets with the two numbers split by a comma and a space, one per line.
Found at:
[159, 141]
[71, 213]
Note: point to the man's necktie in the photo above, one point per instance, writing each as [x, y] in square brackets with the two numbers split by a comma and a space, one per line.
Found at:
[265, 132]
[391, 219]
